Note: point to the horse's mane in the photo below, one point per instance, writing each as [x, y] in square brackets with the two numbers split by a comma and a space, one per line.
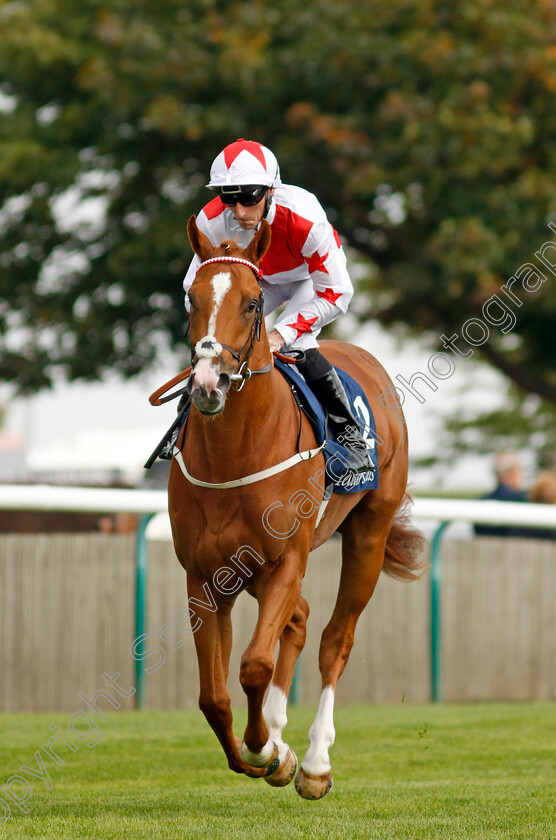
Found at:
[229, 248]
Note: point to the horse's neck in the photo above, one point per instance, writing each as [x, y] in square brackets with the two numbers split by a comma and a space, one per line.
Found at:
[247, 428]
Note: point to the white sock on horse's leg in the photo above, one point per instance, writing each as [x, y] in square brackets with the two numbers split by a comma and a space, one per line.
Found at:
[274, 713]
[321, 736]
[257, 759]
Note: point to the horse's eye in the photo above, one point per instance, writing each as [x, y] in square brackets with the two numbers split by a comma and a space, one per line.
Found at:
[191, 301]
[252, 306]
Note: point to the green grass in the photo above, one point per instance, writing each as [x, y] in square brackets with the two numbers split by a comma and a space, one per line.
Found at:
[419, 772]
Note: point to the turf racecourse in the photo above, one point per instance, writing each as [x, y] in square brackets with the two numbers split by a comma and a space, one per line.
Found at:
[419, 772]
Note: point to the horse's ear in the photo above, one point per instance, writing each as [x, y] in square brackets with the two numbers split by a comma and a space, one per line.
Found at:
[259, 244]
[200, 243]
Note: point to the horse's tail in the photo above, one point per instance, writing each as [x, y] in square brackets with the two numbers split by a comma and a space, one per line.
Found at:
[403, 558]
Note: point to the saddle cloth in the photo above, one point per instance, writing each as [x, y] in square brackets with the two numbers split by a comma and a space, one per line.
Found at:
[335, 454]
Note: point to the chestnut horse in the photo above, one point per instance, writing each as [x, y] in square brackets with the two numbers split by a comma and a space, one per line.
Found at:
[256, 533]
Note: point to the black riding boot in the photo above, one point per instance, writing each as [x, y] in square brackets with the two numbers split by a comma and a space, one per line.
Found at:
[327, 387]
[166, 453]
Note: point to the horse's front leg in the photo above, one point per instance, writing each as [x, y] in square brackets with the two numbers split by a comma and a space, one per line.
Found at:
[277, 592]
[292, 642]
[213, 640]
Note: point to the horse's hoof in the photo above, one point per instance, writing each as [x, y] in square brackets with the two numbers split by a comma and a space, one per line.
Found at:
[285, 772]
[313, 787]
[272, 767]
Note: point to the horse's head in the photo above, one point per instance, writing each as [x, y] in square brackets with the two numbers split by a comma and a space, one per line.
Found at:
[226, 315]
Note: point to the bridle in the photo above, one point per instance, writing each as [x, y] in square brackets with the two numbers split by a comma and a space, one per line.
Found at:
[210, 346]
[244, 373]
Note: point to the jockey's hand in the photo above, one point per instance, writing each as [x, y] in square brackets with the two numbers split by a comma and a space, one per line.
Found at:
[275, 340]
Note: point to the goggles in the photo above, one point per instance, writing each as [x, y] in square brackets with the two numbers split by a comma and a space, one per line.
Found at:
[247, 196]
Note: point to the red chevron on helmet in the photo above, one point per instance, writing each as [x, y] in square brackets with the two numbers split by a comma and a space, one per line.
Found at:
[245, 162]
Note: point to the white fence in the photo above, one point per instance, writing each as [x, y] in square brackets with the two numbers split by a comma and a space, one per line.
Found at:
[481, 625]
[94, 500]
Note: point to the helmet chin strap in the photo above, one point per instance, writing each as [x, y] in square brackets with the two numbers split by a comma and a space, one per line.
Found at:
[267, 203]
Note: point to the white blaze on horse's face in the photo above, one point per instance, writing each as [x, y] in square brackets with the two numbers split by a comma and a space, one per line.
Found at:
[221, 283]
[207, 384]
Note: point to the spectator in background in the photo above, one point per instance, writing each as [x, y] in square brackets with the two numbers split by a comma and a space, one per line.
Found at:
[543, 492]
[509, 488]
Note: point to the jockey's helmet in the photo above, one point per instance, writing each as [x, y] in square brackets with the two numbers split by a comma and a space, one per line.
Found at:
[244, 162]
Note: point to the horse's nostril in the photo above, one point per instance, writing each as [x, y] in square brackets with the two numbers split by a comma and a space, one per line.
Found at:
[224, 382]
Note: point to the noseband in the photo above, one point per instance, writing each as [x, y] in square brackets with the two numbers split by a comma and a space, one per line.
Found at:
[210, 346]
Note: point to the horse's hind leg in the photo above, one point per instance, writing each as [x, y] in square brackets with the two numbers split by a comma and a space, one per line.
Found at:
[362, 559]
[292, 642]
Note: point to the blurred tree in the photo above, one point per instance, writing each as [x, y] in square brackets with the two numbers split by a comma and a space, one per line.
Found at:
[520, 425]
[426, 127]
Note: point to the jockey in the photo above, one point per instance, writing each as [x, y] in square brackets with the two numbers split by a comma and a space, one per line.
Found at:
[304, 268]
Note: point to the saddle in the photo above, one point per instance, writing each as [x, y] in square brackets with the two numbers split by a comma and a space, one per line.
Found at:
[339, 480]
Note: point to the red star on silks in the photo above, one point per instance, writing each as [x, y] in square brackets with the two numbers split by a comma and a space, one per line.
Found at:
[316, 263]
[330, 295]
[303, 325]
